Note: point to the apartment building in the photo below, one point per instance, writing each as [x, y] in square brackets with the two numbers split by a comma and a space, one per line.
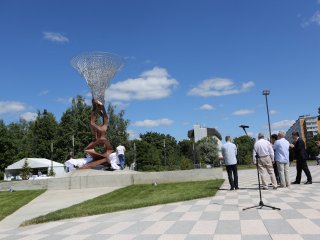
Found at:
[306, 126]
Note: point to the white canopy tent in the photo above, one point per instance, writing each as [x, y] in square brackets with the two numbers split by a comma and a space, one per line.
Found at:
[34, 163]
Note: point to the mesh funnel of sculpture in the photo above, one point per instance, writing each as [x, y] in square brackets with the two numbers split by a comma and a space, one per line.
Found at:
[98, 68]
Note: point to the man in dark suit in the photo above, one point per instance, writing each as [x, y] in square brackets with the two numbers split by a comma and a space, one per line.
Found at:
[301, 156]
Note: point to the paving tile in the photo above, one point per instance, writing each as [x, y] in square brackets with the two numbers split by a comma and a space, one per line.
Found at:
[290, 214]
[136, 228]
[159, 227]
[227, 237]
[286, 237]
[198, 237]
[229, 215]
[253, 227]
[279, 226]
[209, 216]
[255, 237]
[172, 237]
[228, 227]
[304, 226]
[204, 227]
[181, 227]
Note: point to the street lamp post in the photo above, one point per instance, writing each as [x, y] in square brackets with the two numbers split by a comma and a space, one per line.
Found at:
[266, 93]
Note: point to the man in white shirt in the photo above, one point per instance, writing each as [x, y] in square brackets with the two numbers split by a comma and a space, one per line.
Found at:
[281, 149]
[229, 153]
[120, 152]
[265, 156]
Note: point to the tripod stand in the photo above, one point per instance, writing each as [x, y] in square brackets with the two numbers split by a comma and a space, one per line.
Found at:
[261, 204]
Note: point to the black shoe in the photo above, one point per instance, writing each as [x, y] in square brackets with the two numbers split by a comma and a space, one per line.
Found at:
[231, 189]
[295, 183]
[237, 188]
[308, 182]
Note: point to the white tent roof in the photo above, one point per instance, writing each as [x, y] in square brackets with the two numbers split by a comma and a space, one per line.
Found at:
[34, 163]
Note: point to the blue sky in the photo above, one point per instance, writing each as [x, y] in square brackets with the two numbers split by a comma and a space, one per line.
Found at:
[186, 62]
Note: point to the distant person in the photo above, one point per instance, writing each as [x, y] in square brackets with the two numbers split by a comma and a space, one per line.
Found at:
[274, 137]
[265, 157]
[114, 161]
[301, 156]
[229, 154]
[120, 152]
[281, 157]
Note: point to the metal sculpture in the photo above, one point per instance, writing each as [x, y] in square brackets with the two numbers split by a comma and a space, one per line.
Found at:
[98, 68]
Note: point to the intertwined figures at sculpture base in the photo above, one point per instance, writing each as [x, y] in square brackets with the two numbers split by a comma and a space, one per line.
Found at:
[98, 68]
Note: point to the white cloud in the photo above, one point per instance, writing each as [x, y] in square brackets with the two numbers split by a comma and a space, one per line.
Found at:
[130, 58]
[273, 112]
[153, 84]
[243, 112]
[133, 135]
[44, 92]
[11, 107]
[206, 107]
[153, 123]
[219, 87]
[119, 104]
[29, 116]
[315, 18]
[284, 124]
[55, 37]
[65, 100]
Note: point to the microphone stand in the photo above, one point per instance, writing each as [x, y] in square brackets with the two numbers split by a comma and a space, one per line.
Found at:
[261, 204]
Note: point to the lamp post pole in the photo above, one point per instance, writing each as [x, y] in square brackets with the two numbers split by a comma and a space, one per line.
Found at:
[266, 93]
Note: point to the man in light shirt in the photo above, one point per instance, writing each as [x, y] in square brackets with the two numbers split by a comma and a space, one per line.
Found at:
[281, 149]
[265, 156]
[229, 153]
[120, 152]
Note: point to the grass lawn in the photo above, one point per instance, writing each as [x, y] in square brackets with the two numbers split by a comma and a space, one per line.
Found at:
[134, 196]
[11, 201]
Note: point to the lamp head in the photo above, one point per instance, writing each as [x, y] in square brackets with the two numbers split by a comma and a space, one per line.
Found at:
[244, 126]
[266, 92]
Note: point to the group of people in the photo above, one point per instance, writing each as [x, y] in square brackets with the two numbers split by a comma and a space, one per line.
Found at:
[272, 159]
[116, 160]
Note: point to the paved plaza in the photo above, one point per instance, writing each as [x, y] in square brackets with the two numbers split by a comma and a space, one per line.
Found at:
[218, 217]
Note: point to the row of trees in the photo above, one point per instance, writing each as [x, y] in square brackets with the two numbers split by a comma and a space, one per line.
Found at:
[153, 151]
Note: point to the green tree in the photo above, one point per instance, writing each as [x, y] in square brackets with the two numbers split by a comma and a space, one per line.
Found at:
[148, 157]
[167, 146]
[245, 149]
[117, 127]
[7, 148]
[312, 148]
[43, 134]
[74, 124]
[208, 150]
[25, 170]
[18, 133]
[186, 148]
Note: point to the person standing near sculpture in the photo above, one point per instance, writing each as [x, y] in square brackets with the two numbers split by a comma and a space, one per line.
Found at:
[120, 152]
[301, 156]
[229, 154]
[281, 156]
[264, 154]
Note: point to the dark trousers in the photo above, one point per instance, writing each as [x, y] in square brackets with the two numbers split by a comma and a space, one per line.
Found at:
[233, 175]
[302, 165]
[276, 172]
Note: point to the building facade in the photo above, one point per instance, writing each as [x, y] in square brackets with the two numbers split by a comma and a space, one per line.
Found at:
[306, 126]
[200, 132]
